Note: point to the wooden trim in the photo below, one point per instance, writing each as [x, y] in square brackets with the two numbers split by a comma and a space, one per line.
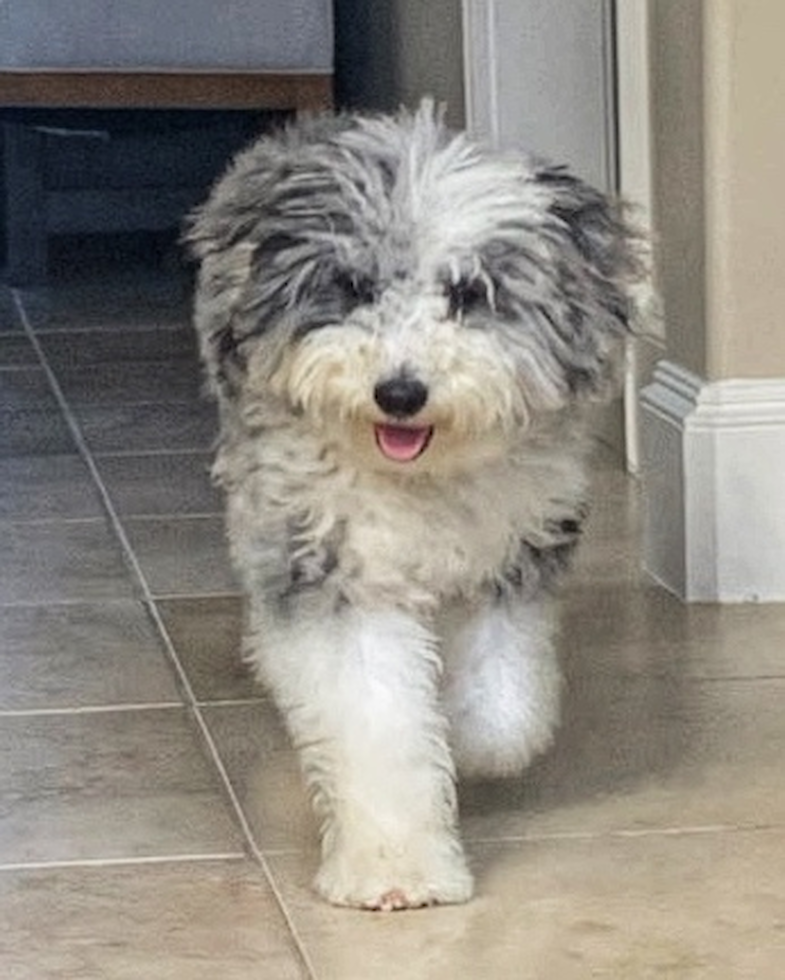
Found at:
[165, 89]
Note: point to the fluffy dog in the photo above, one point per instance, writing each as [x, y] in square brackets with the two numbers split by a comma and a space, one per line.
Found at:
[402, 331]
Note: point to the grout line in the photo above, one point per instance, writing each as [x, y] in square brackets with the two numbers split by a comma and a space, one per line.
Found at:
[285, 852]
[70, 603]
[117, 331]
[141, 403]
[121, 707]
[190, 596]
[23, 366]
[172, 516]
[206, 451]
[91, 709]
[737, 678]
[45, 521]
[630, 834]
[121, 862]
[150, 604]
[235, 702]
[209, 515]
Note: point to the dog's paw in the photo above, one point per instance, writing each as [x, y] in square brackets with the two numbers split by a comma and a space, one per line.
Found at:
[384, 882]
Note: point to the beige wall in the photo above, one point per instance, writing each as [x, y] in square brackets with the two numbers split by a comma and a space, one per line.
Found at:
[677, 175]
[718, 114]
[745, 187]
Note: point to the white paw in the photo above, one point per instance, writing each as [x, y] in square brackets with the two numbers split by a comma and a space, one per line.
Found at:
[387, 880]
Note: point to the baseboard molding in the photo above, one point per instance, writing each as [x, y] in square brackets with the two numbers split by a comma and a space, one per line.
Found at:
[714, 481]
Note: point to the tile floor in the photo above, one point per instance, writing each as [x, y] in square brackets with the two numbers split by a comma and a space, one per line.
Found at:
[152, 823]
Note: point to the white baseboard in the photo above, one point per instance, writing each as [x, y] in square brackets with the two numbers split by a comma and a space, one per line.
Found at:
[714, 479]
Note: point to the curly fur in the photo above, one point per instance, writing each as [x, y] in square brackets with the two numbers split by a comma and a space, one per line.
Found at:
[399, 552]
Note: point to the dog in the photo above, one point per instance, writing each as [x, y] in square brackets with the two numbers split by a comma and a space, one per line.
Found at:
[403, 330]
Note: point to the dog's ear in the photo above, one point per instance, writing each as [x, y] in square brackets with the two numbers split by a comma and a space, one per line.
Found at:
[222, 236]
[263, 242]
[600, 260]
[606, 246]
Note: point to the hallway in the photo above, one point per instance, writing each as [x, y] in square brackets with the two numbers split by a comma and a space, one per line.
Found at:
[152, 821]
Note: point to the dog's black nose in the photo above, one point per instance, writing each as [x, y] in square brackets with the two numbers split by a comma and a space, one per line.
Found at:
[400, 396]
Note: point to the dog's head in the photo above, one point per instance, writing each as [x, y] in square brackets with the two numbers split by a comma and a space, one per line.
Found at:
[405, 290]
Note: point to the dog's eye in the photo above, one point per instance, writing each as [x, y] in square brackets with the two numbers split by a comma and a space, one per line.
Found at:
[356, 290]
[465, 296]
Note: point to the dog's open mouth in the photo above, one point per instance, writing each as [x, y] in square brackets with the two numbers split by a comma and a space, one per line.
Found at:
[402, 443]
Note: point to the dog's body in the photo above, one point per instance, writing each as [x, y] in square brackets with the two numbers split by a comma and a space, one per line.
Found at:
[402, 331]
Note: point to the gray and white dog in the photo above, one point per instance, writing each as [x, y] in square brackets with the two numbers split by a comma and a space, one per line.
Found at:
[402, 331]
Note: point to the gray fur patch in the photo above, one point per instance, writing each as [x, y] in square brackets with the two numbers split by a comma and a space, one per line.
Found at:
[307, 565]
[539, 568]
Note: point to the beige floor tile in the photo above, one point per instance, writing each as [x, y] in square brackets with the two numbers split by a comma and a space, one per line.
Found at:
[637, 628]
[25, 388]
[34, 432]
[141, 299]
[159, 484]
[647, 752]
[80, 655]
[9, 315]
[56, 561]
[15, 349]
[206, 633]
[182, 556]
[265, 774]
[691, 907]
[130, 383]
[99, 786]
[80, 348]
[152, 426]
[36, 487]
[200, 921]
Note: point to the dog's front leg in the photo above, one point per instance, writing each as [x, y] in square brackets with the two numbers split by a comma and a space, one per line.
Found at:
[359, 691]
[501, 684]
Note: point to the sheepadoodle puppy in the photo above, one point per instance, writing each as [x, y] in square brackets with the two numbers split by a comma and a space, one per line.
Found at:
[402, 331]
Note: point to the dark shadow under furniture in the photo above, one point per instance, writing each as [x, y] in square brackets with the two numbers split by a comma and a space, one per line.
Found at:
[52, 117]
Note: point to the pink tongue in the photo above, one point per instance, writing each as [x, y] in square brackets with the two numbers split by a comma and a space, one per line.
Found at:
[401, 443]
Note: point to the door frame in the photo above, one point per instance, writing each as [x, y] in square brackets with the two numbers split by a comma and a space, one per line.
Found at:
[628, 152]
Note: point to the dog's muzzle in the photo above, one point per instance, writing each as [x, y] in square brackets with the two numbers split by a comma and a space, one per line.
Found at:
[401, 398]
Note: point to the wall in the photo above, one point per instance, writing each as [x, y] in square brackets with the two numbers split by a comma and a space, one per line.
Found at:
[718, 162]
[677, 175]
[745, 147]
[392, 52]
[713, 418]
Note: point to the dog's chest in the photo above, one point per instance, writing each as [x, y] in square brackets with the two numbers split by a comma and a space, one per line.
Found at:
[423, 544]
[298, 522]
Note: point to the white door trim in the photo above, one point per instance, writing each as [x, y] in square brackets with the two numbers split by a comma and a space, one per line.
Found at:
[480, 80]
[538, 75]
